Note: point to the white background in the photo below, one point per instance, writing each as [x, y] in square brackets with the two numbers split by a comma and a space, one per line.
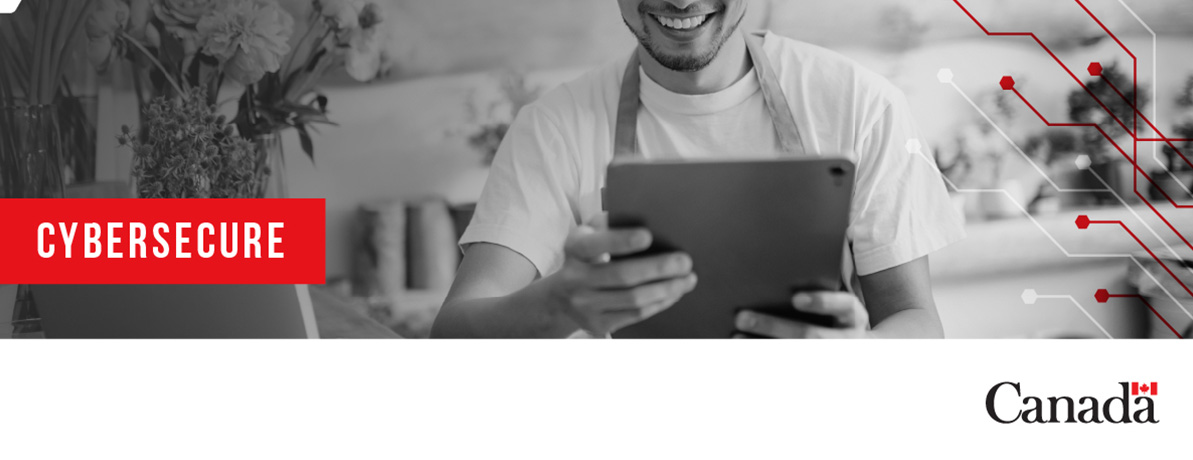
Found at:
[572, 399]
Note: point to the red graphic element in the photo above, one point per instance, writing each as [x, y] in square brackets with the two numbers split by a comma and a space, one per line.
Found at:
[1137, 388]
[162, 241]
[1145, 248]
[1007, 83]
[1095, 69]
[1102, 296]
[1138, 113]
[1083, 222]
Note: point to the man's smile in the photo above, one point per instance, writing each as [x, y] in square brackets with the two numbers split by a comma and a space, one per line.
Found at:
[685, 23]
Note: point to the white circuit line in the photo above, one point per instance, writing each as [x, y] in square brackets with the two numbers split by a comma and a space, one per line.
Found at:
[1079, 307]
[1058, 189]
[1012, 142]
[1140, 219]
[1155, 107]
[1056, 243]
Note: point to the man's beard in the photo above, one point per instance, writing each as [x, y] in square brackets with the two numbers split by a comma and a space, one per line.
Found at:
[685, 63]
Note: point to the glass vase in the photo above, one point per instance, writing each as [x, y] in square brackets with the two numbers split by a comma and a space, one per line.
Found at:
[269, 147]
[26, 321]
[31, 151]
[32, 160]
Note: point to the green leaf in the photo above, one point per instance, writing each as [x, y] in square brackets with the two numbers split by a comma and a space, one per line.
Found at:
[308, 147]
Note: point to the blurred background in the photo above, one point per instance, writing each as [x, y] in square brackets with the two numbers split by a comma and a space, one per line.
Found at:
[409, 150]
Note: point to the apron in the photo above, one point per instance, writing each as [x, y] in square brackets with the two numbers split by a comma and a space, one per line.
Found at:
[625, 141]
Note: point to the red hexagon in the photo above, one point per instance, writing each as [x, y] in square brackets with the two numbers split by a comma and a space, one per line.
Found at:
[1095, 69]
[1007, 83]
[1102, 296]
[1083, 222]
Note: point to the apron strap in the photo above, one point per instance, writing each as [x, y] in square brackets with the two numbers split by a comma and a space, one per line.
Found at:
[776, 103]
[625, 138]
[625, 141]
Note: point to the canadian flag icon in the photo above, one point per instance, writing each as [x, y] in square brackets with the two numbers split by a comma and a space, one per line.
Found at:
[1138, 388]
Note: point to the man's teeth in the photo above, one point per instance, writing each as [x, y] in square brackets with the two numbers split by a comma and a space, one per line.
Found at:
[682, 24]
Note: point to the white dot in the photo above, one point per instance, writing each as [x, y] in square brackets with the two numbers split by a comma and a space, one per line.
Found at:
[1083, 162]
[945, 76]
[1030, 296]
[914, 146]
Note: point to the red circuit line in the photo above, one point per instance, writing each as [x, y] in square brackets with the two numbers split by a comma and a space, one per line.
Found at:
[1133, 133]
[1145, 248]
[1050, 53]
[1135, 96]
[1099, 128]
[1149, 123]
[1135, 103]
[1149, 307]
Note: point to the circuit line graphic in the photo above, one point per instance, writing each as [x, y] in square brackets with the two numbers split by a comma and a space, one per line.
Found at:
[1095, 69]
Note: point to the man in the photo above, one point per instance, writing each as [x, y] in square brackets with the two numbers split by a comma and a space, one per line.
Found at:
[536, 260]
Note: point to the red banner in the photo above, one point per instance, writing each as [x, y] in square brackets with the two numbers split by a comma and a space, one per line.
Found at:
[146, 241]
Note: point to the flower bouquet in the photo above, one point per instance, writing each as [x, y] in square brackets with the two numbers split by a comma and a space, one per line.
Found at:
[181, 49]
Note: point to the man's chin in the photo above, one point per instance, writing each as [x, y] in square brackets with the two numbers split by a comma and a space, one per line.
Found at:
[683, 62]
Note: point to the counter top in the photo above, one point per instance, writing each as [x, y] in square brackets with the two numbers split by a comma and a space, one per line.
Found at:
[1002, 246]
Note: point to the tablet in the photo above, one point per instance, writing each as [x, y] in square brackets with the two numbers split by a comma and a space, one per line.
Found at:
[757, 231]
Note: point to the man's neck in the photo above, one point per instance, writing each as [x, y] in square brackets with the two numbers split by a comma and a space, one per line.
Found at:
[730, 65]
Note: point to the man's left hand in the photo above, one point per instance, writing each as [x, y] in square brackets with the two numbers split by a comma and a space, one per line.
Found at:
[851, 318]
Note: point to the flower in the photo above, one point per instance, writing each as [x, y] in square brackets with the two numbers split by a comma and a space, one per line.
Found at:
[183, 13]
[342, 14]
[370, 16]
[101, 28]
[182, 16]
[138, 20]
[364, 58]
[363, 61]
[248, 38]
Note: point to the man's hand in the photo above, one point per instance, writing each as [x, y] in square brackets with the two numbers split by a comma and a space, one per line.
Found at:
[603, 296]
[851, 319]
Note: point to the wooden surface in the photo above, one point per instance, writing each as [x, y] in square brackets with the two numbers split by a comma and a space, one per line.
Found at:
[337, 319]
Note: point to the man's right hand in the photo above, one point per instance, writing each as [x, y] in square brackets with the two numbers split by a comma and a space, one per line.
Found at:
[602, 296]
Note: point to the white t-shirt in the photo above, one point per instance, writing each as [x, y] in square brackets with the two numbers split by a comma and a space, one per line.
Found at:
[549, 171]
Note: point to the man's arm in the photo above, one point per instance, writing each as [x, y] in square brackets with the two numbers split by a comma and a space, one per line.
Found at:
[900, 302]
[486, 299]
[496, 293]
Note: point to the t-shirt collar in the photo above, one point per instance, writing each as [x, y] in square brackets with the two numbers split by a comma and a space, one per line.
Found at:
[656, 96]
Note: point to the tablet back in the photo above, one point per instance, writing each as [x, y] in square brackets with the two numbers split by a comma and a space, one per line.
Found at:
[757, 231]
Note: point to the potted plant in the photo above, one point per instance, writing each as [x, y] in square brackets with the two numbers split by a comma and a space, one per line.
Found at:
[1175, 180]
[981, 158]
[1106, 160]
